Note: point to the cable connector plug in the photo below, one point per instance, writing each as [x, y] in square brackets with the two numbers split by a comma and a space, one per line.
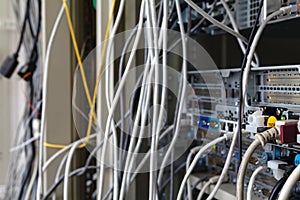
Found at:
[288, 130]
[267, 135]
[289, 9]
[9, 65]
[27, 71]
[228, 136]
[274, 165]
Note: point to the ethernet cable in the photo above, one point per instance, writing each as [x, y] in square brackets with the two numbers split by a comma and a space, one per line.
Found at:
[209, 145]
[67, 168]
[211, 181]
[45, 86]
[61, 151]
[203, 19]
[32, 180]
[235, 28]
[59, 170]
[121, 85]
[188, 161]
[109, 89]
[243, 65]
[246, 76]
[66, 8]
[61, 179]
[252, 180]
[58, 178]
[44, 97]
[24, 144]
[166, 182]
[226, 165]
[121, 64]
[278, 187]
[182, 95]
[215, 22]
[144, 160]
[153, 38]
[255, 43]
[144, 98]
[260, 139]
[289, 184]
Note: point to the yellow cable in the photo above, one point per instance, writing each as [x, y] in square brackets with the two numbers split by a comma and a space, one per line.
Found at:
[99, 72]
[92, 104]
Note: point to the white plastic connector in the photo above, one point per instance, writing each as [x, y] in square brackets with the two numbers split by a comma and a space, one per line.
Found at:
[289, 9]
[255, 120]
[274, 166]
[298, 138]
[36, 124]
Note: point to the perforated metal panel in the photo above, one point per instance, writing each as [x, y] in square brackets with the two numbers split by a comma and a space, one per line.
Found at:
[246, 12]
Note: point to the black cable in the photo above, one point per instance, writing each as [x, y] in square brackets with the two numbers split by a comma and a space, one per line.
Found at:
[172, 173]
[36, 36]
[240, 112]
[165, 184]
[29, 21]
[277, 188]
[76, 172]
[189, 18]
[27, 173]
[23, 27]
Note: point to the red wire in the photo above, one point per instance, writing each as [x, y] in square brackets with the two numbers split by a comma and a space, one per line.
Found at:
[24, 94]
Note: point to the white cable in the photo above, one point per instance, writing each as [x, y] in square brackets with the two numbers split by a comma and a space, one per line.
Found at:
[235, 28]
[289, 184]
[209, 182]
[67, 169]
[196, 159]
[240, 189]
[59, 169]
[61, 151]
[226, 165]
[32, 180]
[158, 126]
[188, 161]
[44, 97]
[129, 159]
[261, 139]
[141, 164]
[109, 95]
[182, 97]
[142, 105]
[252, 180]
[116, 98]
[154, 137]
[215, 22]
[253, 47]
[24, 144]
[145, 110]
